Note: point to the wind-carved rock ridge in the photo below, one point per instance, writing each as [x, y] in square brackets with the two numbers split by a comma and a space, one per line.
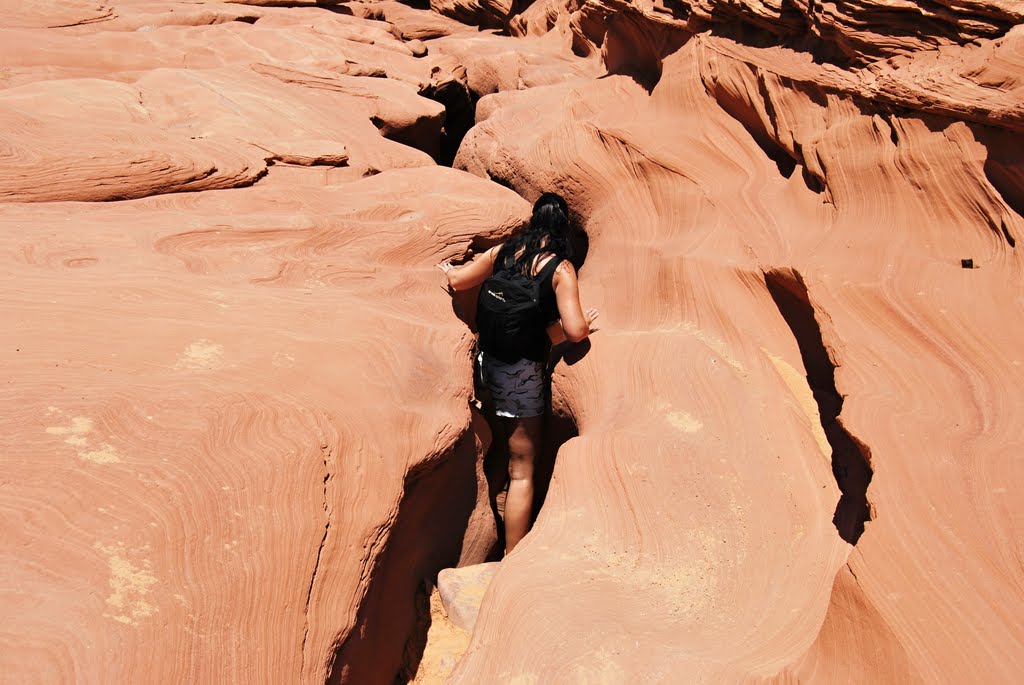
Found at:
[204, 336]
[878, 241]
[236, 288]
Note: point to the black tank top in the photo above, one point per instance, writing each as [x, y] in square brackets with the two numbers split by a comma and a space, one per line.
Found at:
[548, 303]
[538, 352]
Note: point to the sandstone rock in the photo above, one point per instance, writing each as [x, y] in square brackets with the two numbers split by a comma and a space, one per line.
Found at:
[833, 228]
[227, 498]
[205, 415]
[412, 23]
[319, 152]
[462, 590]
[223, 120]
[484, 13]
[236, 409]
[40, 14]
[492, 64]
[418, 48]
[862, 28]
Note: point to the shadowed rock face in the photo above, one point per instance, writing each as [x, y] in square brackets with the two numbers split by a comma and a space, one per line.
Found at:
[236, 410]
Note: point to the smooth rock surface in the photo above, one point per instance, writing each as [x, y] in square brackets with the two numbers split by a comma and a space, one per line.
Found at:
[236, 422]
[203, 434]
[208, 447]
[784, 314]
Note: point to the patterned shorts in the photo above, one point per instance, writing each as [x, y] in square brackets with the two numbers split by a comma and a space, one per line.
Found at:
[517, 390]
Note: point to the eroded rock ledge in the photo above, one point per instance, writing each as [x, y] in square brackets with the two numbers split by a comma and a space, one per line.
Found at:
[236, 413]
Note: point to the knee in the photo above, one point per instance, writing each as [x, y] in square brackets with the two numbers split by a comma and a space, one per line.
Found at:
[520, 469]
[521, 447]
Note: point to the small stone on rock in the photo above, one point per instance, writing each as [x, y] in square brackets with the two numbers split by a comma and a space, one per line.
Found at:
[419, 49]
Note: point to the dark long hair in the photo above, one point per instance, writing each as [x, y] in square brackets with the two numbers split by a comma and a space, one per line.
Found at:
[547, 232]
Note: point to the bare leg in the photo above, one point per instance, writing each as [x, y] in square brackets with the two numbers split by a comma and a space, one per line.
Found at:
[496, 470]
[496, 461]
[523, 444]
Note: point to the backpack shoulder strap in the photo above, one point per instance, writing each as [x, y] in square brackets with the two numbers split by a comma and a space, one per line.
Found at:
[504, 260]
[548, 270]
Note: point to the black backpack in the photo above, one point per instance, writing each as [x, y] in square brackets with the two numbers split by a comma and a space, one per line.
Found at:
[509, 315]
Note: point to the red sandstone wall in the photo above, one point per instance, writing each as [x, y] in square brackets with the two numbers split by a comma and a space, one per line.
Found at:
[235, 408]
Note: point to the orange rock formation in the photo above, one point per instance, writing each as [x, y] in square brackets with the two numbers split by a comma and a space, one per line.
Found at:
[237, 433]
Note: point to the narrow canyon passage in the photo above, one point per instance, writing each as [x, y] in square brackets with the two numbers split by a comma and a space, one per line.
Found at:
[851, 464]
[237, 417]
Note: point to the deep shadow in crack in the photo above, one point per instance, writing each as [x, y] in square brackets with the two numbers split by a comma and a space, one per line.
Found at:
[635, 46]
[336, 6]
[560, 429]
[1003, 169]
[459, 115]
[851, 459]
[386, 642]
[749, 118]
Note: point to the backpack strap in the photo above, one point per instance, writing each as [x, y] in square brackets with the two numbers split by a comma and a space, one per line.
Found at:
[549, 268]
[509, 262]
[504, 263]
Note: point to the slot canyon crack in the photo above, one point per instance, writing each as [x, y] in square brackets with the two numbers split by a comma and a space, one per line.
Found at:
[237, 440]
[328, 459]
[851, 459]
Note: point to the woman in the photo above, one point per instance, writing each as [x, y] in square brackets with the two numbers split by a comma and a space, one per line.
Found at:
[513, 369]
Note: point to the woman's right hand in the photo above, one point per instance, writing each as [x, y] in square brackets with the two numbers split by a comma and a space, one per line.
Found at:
[590, 316]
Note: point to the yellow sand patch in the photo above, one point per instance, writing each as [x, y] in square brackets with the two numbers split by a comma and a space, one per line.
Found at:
[523, 679]
[201, 354]
[129, 585]
[106, 454]
[797, 384]
[446, 643]
[600, 668]
[684, 421]
[713, 342]
[679, 419]
[79, 426]
[77, 432]
[284, 360]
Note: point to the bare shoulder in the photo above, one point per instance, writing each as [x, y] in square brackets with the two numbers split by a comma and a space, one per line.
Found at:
[564, 272]
[566, 268]
[492, 252]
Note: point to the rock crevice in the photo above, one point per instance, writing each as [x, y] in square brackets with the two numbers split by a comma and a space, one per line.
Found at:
[328, 472]
[851, 458]
[172, 350]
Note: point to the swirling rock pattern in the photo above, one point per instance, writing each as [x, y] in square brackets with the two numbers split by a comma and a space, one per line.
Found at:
[219, 448]
[776, 244]
[236, 412]
[225, 412]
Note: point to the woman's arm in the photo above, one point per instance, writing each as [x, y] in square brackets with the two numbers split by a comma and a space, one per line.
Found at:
[575, 323]
[472, 273]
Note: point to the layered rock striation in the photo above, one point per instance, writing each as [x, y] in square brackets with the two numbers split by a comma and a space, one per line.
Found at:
[796, 377]
[238, 438]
